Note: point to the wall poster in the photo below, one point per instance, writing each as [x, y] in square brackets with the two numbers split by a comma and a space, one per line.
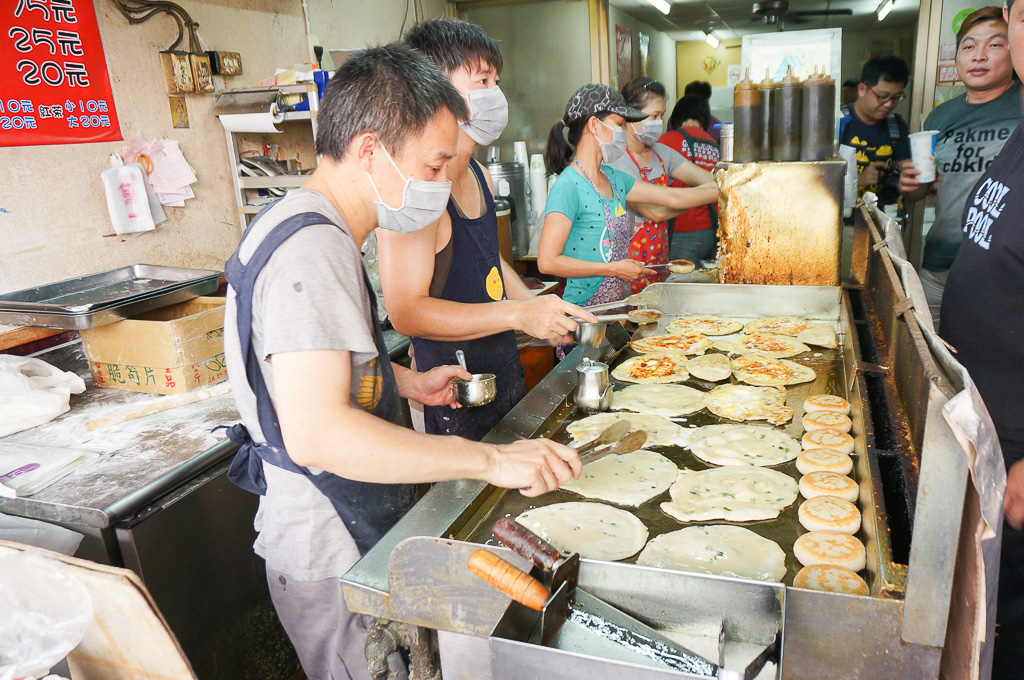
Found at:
[623, 55]
[55, 88]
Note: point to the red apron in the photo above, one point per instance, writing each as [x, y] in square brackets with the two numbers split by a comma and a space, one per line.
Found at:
[650, 243]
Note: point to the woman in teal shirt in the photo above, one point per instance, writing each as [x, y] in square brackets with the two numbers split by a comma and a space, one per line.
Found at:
[587, 227]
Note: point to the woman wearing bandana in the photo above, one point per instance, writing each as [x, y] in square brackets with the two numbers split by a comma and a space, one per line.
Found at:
[655, 163]
[588, 225]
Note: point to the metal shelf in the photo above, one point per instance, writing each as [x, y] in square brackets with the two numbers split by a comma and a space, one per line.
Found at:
[280, 181]
[241, 184]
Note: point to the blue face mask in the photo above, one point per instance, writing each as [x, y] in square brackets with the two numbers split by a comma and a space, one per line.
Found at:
[613, 150]
[423, 203]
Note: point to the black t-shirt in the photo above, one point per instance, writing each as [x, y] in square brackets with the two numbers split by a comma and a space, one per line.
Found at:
[874, 142]
[983, 305]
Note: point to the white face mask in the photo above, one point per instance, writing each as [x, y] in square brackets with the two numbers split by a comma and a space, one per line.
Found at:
[423, 203]
[613, 150]
[650, 131]
[488, 115]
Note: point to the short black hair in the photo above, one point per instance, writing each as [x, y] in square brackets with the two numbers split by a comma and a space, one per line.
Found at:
[885, 67]
[392, 92]
[638, 91]
[851, 82]
[701, 88]
[451, 43]
[690, 107]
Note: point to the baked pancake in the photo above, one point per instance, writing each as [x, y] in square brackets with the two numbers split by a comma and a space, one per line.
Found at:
[819, 335]
[711, 367]
[735, 493]
[652, 368]
[724, 550]
[705, 324]
[816, 484]
[755, 369]
[594, 530]
[828, 513]
[830, 578]
[830, 547]
[826, 420]
[742, 445]
[672, 343]
[771, 346]
[779, 325]
[826, 402]
[662, 400]
[746, 402]
[828, 439]
[824, 460]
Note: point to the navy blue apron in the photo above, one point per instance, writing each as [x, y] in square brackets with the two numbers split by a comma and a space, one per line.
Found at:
[475, 270]
[368, 510]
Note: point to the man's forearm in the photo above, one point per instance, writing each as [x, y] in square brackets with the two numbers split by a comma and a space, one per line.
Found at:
[435, 319]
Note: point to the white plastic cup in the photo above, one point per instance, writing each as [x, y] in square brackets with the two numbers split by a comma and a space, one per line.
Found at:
[922, 153]
[519, 153]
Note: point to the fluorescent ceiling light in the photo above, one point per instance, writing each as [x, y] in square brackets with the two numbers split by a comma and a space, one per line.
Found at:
[660, 5]
[710, 39]
[885, 8]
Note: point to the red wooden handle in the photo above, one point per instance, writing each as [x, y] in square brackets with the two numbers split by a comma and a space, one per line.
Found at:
[517, 584]
[526, 543]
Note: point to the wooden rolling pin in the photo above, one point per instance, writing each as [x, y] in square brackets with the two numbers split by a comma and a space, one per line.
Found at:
[158, 405]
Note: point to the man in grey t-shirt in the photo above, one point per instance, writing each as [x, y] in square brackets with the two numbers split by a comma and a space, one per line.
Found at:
[972, 130]
[306, 360]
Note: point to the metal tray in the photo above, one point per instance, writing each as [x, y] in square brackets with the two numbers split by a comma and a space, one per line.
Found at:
[105, 298]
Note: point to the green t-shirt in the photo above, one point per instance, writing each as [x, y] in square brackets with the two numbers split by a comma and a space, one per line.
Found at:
[970, 138]
[573, 196]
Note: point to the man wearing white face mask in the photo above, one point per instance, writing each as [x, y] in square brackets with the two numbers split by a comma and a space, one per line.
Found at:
[310, 373]
[446, 286]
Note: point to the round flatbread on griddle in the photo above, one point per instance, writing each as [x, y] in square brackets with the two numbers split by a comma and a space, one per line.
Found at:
[652, 368]
[705, 324]
[712, 367]
[755, 369]
[723, 550]
[628, 479]
[779, 325]
[657, 399]
[594, 530]
[771, 346]
[747, 402]
[743, 445]
[660, 431]
[735, 493]
[672, 343]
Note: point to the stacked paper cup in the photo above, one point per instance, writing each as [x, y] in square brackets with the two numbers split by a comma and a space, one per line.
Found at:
[538, 187]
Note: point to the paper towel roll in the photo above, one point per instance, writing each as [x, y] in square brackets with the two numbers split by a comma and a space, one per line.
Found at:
[252, 122]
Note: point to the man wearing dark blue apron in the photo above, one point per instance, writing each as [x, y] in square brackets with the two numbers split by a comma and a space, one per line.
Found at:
[447, 287]
[309, 370]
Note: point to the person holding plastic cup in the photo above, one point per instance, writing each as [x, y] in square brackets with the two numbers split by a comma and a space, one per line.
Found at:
[972, 130]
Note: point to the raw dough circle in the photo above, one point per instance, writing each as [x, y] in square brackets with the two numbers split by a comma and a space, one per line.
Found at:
[594, 530]
[723, 550]
[736, 493]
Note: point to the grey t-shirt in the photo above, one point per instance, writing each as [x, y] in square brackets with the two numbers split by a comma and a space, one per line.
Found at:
[672, 159]
[970, 138]
[310, 296]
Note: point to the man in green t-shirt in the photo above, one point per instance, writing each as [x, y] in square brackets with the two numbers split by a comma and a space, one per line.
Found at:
[972, 131]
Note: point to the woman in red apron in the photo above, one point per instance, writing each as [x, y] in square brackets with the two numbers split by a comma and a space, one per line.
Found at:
[654, 163]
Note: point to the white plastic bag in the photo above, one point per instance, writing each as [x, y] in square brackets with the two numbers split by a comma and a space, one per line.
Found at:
[33, 392]
[44, 614]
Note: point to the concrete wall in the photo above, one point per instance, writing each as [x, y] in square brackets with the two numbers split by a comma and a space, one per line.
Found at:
[662, 52]
[56, 219]
[546, 49]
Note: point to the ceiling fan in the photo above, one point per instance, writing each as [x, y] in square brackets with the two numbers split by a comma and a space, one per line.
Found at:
[777, 11]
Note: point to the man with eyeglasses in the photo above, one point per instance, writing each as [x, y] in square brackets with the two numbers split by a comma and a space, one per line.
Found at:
[879, 135]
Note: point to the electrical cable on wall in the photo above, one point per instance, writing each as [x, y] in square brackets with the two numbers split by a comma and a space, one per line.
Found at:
[139, 11]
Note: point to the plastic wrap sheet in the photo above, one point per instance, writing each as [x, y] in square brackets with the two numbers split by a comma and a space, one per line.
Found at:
[968, 419]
